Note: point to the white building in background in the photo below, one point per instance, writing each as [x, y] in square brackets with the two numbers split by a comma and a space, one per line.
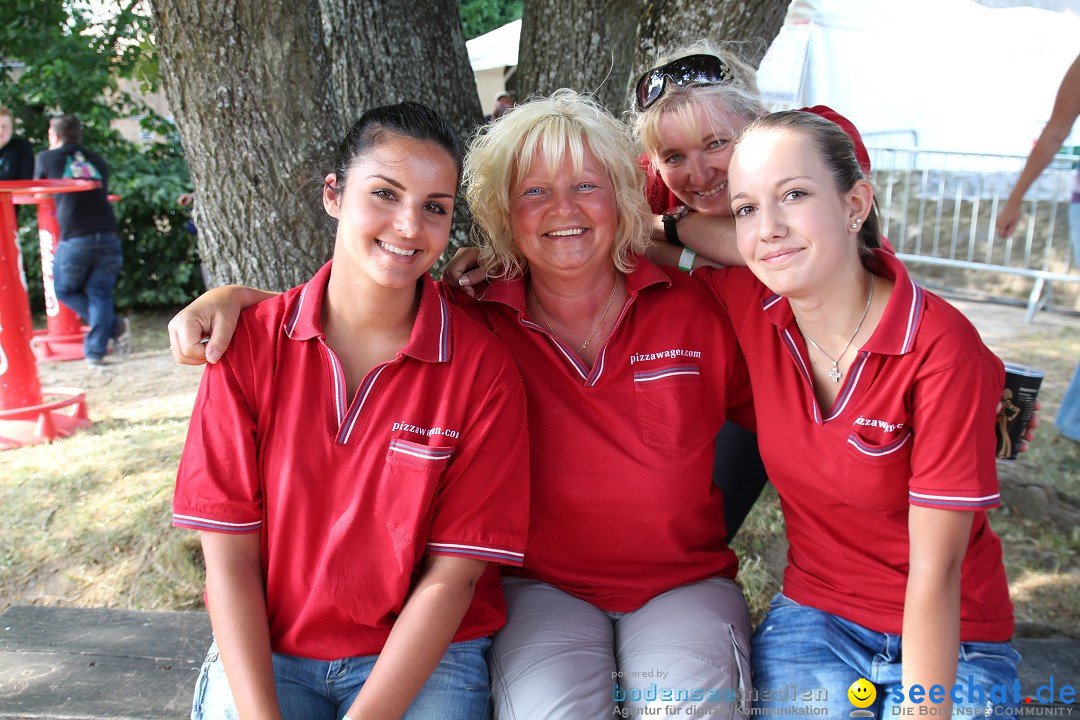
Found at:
[963, 76]
[493, 57]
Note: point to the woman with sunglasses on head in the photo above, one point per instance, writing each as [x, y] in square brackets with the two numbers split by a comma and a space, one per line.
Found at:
[627, 601]
[893, 573]
[688, 110]
[352, 464]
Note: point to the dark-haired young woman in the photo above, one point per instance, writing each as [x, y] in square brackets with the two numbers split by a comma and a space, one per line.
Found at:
[353, 464]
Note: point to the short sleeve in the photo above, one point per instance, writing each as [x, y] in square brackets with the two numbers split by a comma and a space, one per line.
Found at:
[482, 504]
[954, 444]
[217, 484]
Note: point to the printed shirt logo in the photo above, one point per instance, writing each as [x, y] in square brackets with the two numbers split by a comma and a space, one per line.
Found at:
[665, 354]
[425, 432]
[79, 167]
[886, 426]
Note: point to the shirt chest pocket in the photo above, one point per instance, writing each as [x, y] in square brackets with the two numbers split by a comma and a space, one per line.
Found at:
[878, 470]
[670, 407]
[407, 486]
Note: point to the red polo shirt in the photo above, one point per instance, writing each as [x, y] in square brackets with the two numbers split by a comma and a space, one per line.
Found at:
[913, 425]
[623, 503]
[428, 457]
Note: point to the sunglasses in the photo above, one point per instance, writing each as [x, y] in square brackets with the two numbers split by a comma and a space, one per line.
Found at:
[689, 70]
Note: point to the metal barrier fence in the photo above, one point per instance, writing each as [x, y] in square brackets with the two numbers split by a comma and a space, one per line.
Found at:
[939, 209]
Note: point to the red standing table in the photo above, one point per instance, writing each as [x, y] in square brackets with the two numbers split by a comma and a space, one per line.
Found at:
[28, 414]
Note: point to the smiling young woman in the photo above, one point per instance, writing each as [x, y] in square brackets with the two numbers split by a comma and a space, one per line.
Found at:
[352, 464]
[894, 574]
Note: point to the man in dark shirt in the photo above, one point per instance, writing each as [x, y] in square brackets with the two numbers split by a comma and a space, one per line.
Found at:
[89, 257]
[16, 155]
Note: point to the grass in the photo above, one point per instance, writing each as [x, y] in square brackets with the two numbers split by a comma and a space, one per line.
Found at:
[85, 522]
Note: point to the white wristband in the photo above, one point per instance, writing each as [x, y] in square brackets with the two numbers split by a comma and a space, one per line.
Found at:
[686, 259]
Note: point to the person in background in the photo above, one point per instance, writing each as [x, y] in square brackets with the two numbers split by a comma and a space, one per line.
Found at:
[354, 465]
[504, 101]
[89, 257]
[1062, 117]
[16, 155]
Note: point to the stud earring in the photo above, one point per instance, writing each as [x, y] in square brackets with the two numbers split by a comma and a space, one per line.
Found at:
[855, 225]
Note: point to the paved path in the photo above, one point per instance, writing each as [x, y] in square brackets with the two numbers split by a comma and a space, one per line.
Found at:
[78, 664]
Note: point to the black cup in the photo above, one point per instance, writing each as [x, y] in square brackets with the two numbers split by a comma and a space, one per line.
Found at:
[1017, 405]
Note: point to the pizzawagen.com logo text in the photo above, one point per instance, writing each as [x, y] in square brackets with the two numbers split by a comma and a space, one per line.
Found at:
[1004, 700]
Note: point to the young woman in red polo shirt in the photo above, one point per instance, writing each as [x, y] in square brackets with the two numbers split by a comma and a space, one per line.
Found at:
[353, 465]
[894, 574]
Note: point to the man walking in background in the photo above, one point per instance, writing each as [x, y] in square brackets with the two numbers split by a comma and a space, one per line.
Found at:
[89, 256]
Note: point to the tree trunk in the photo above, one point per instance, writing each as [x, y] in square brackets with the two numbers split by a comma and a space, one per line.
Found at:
[262, 94]
[604, 46]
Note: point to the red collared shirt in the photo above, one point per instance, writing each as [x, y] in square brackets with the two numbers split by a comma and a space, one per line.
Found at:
[428, 457]
[913, 425]
[623, 503]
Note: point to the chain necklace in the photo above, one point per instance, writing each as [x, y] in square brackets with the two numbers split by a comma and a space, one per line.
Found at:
[547, 321]
[835, 373]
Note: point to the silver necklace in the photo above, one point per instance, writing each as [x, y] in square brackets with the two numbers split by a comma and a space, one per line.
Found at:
[835, 373]
[596, 327]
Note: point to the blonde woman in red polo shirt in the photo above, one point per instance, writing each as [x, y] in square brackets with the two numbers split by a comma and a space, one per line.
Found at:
[626, 601]
[875, 405]
[354, 464]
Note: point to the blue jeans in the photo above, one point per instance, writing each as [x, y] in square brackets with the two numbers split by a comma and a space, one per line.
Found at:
[324, 690]
[809, 658]
[1068, 417]
[84, 274]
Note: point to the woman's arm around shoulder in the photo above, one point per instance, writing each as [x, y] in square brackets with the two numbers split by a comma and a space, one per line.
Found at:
[202, 331]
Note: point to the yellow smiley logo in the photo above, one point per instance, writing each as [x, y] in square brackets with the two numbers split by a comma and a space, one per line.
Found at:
[862, 693]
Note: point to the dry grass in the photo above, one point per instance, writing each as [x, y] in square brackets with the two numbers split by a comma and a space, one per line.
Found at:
[85, 522]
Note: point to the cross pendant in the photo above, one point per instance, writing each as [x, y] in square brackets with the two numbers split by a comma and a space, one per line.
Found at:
[835, 374]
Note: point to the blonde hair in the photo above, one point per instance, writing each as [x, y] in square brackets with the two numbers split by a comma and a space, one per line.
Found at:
[501, 154]
[6, 112]
[738, 96]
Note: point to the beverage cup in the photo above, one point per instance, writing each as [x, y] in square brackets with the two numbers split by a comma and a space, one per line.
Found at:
[1017, 404]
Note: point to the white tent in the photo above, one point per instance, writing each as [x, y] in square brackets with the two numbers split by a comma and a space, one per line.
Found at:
[965, 77]
[490, 55]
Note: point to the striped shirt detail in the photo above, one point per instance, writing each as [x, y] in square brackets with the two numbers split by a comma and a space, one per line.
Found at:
[794, 350]
[444, 330]
[913, 317]
[345, 431]
[598, 368]
[875, 451]
[967, 502]
[848, 390]
[669, 371]
[566, 352]
[478, 551]
[423, 452]
[198, 523]
[341, 402]
[290, 325]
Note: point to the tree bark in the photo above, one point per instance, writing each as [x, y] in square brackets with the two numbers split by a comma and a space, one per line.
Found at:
[603, 47]
[262, 94]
